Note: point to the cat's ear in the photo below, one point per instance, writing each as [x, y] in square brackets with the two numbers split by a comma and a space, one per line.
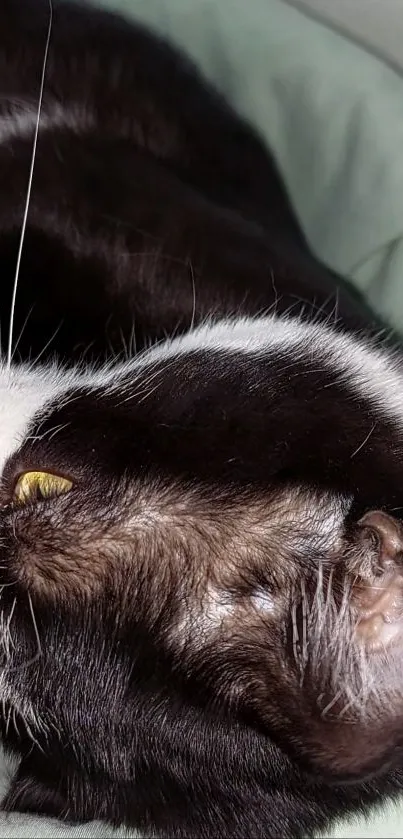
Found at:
[31, 792]
[353, 659]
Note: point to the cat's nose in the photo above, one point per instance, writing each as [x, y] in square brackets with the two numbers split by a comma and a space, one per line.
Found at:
[389, 535]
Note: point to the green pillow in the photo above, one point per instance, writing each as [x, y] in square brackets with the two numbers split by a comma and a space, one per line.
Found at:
[331, 113]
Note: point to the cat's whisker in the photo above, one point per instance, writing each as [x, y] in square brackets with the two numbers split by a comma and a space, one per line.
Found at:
[32, 737]
[133, 341]
[29, 190]
[7, 629]
[35, 626]
[192, 321]
[295, 634]
[56, 430]
[365, 441]
[15, 726]
[8, 719]
[47, 345]
[332, 703]
[305, 608]
[21, 332]
[149, 393]
[38, 653]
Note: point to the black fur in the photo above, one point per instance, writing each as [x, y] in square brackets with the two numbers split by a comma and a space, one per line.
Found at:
[154, 208]
[166, 187]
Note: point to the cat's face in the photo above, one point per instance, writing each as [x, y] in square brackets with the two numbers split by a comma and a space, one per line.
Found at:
[173, 534]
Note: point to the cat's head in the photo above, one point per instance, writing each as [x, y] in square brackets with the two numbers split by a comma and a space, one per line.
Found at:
[205, 539]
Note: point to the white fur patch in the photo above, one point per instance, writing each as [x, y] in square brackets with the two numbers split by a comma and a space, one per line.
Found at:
[373, 373]
[24, 392]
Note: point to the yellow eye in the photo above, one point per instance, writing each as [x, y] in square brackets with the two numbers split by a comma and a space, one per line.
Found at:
[32, 486]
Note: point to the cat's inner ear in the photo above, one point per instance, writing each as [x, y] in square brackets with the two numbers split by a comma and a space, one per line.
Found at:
[378, 590]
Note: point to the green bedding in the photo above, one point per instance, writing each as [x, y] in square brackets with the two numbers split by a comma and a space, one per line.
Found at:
[333, 117]
[331, 113]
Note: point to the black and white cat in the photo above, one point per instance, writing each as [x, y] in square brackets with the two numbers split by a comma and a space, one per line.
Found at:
[201, 543]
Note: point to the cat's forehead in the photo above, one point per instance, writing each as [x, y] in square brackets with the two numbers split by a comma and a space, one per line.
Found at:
[362, 364]
[259, 351]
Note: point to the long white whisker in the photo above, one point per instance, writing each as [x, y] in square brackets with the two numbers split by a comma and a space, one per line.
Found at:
[330, 704]
[304, 604]
[8, 719]
[8, 636]
[295, 634]
[38, 653]
[29, 189]
[35, 625]
[15, 723]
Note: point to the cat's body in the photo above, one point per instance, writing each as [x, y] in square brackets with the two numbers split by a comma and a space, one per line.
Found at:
[201, 620]
[141, 181]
